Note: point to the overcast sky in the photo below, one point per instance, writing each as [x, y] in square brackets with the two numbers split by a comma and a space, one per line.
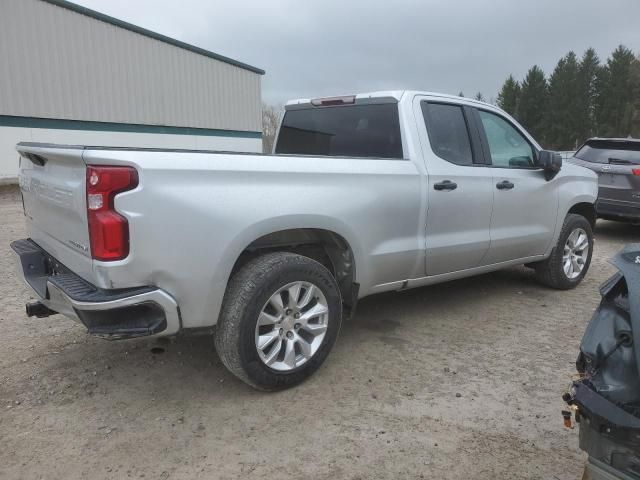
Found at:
[313, 48]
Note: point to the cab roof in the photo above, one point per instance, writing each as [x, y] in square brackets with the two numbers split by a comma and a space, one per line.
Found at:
[374, 97]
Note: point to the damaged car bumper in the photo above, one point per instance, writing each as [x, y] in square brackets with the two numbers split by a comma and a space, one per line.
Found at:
[606, 399]
[110, 314]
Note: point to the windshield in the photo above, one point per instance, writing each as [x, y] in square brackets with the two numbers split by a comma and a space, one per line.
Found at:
[371, 131]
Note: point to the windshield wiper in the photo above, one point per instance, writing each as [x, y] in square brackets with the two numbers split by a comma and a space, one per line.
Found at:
[620, 161]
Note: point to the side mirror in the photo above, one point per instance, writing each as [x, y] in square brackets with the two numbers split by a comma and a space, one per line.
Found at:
[550, 162]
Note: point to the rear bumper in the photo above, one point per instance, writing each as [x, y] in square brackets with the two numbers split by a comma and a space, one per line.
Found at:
[612, 210]
[112, 314]
[608, 433]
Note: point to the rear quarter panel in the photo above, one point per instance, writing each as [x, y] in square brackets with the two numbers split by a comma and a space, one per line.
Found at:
[194, 213]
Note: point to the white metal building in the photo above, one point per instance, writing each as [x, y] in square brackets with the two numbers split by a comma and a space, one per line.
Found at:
[75, 76]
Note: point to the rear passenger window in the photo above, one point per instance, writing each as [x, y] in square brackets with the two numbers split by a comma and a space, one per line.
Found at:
[448, 132]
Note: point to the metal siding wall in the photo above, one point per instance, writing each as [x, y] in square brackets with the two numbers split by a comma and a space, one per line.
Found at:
[56, 63]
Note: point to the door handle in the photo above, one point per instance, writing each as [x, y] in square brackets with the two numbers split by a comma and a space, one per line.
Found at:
[504, 185]
[445, 185]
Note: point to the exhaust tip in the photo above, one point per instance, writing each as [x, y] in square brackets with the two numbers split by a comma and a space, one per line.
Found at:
[38, 310]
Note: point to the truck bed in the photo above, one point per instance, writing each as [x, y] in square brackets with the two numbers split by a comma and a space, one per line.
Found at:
[194, 212]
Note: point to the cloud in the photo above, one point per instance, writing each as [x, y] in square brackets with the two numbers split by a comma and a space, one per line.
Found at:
[314, 48]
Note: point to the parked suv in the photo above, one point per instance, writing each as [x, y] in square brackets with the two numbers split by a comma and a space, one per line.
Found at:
[617, 163]
[364, 194]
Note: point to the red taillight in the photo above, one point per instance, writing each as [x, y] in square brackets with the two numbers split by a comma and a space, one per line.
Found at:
[636, 171]
[108, 230]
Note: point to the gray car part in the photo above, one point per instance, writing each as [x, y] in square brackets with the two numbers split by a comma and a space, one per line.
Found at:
[606, 399]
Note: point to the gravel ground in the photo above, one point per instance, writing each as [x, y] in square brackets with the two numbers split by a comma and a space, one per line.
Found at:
[460, 380]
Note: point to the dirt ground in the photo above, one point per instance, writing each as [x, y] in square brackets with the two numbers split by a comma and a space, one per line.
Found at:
[460, 380]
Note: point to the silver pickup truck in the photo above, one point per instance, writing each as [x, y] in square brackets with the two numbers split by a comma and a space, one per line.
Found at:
[363, 194]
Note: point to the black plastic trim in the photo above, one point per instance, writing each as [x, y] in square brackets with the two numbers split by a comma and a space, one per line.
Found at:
[611, 210]
[139, 320]
[601, 410]
[481, 157]
[39, 268]
[136, 320]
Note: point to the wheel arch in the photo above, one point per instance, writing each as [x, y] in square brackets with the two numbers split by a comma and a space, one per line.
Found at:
[323, 240]
[585, 209]
[576, 195]
[324, 246]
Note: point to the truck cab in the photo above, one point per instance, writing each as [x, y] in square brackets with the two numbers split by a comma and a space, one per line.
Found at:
[487, 197]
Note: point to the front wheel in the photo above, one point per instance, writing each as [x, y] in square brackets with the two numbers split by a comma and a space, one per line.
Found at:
[280, 317]
[571, 257]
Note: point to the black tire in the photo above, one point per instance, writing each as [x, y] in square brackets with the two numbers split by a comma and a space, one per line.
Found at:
[248, 291]
[551, 271]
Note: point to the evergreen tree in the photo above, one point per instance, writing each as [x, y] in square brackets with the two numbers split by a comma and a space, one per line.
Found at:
[602, 80]
[582, 99]
[588, 90]
[635, 91]
[616, 85]
[509, 96]
[460, 94]
[479, 97]
[564, 104]
[533, 103]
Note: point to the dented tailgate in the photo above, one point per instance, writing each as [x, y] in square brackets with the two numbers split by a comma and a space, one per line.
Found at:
[52, 183]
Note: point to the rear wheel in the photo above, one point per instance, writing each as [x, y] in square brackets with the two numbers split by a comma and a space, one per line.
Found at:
[571, 257]
[280, 317]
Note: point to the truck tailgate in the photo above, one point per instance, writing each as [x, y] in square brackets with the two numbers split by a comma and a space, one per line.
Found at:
[52, 181]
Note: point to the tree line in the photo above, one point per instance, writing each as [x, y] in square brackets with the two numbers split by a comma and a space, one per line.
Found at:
[581, 98]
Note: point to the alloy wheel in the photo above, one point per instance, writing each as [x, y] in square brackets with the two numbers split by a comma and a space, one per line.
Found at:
[291, 326]
[575, 254]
